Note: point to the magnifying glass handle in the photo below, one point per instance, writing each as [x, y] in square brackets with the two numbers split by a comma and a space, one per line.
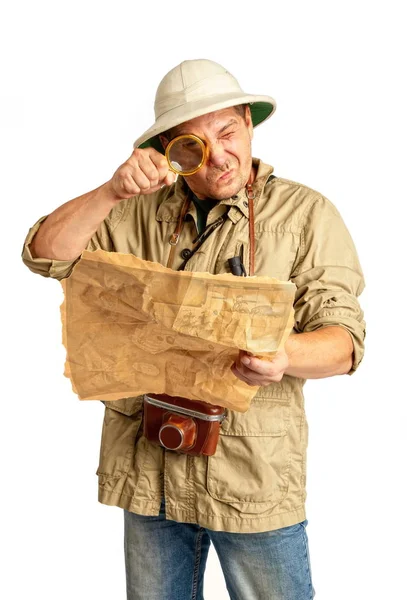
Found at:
[175, 169]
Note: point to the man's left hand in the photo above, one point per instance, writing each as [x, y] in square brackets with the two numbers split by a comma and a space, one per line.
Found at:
[259, 372]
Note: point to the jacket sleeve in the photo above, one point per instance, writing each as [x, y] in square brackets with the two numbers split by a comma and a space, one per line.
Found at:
[328, 276]
[59, 269]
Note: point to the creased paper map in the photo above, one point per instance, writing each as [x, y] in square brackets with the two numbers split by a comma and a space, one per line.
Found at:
[132, 327]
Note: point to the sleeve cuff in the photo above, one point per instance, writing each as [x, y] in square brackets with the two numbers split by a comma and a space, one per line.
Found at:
[355, 328]
[57, 269]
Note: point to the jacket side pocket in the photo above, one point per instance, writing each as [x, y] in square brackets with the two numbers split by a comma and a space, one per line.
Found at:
[120, 432]
[251, 467]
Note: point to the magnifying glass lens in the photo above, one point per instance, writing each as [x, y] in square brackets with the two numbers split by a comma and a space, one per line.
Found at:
[186, 155]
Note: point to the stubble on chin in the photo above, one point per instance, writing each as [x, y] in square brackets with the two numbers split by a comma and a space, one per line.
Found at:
[224, 192]
[215, 190]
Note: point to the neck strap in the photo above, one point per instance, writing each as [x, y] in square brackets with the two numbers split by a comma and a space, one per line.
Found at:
[174, 238]
[251, 196]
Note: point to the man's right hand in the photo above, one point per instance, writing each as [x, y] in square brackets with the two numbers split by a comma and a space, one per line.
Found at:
[66, 232]
[145, 172]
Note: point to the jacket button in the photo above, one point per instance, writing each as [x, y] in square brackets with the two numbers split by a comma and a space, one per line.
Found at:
[235, 197]
[186, 253]
[245, 204]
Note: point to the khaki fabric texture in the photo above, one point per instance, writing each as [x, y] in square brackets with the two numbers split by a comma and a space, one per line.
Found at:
[256, 481]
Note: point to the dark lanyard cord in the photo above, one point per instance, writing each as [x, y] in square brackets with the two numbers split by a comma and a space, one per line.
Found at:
[203, 236]
[174, 239]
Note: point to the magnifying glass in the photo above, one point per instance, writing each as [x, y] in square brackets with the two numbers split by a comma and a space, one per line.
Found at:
[186, 154]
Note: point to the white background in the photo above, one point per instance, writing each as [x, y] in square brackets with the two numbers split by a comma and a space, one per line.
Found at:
[77, 87]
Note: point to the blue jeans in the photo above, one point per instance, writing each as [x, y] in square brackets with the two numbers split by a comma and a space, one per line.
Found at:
[165, 560]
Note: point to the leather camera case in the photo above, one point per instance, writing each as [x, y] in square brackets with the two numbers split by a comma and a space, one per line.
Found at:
[183, 425]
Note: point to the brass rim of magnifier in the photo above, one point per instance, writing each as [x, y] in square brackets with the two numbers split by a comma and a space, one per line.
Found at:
[192, 137]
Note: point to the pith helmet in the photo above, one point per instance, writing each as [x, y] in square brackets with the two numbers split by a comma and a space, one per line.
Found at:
[195, 88]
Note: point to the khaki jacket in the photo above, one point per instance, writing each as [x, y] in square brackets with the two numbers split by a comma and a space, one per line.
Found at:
[256, 481]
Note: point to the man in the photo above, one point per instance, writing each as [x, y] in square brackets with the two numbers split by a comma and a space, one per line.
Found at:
[248, 498]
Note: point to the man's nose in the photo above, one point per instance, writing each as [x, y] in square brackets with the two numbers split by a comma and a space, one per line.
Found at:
[217, 155]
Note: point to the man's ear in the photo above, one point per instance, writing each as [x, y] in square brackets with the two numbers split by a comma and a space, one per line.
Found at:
[164, 141]
[248, 120]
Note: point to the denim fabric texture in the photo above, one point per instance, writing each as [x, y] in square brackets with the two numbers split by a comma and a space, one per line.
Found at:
[165, 560]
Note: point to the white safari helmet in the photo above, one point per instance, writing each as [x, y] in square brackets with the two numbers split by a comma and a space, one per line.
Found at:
[195, 88]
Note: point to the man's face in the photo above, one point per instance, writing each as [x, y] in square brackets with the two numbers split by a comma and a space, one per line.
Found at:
[228, 137]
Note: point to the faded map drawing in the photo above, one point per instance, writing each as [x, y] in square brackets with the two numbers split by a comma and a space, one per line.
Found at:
[132, 327]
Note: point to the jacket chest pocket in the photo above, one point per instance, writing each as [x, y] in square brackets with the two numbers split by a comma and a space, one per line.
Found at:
[121, 429]
[251, 466]
[274, 253]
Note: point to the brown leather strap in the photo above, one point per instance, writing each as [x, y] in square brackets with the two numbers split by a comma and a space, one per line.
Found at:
[174, 239]
[250, 197]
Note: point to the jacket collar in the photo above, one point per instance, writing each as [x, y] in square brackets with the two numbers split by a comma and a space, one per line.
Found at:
[170, 207]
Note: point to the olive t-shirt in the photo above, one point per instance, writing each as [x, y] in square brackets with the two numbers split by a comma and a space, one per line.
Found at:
[203, 208]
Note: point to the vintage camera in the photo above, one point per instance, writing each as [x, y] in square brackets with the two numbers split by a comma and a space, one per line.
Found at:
[186, 426]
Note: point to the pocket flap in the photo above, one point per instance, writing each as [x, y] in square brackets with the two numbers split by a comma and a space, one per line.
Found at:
[268, 414]
[125, 406]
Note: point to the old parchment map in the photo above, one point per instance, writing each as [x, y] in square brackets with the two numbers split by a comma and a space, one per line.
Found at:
[132, 327]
